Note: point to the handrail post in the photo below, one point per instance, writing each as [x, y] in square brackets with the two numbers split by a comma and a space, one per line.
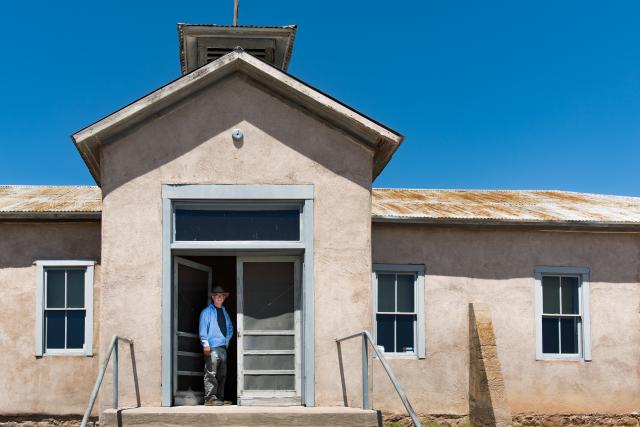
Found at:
[115, 376]
[365, 373]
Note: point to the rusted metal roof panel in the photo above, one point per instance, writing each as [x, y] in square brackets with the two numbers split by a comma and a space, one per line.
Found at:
[501, 205]
[32, 199]
[490, 206]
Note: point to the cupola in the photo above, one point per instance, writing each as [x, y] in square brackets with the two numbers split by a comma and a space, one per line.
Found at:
[202, 44]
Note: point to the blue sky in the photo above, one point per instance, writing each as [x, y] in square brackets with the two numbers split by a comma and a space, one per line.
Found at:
[490, 94]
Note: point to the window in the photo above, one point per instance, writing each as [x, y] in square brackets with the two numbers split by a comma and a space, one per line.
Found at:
[64, 308]
[237, 222]
[562, 308]
[399, 309]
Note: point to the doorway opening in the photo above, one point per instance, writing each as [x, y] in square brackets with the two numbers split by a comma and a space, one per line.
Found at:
[264, 356]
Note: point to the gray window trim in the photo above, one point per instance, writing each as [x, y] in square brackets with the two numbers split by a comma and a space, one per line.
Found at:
[583, 273]
[419, 271]
[230, 192]
[41, 266]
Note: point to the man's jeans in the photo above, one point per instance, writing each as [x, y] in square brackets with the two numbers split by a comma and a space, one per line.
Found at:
[215, 373]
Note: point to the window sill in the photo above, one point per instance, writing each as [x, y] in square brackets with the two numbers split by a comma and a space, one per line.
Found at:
[560, 359]
[74, 353]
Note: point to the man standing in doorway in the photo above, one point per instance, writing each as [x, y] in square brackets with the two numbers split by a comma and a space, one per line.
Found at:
[216, 331]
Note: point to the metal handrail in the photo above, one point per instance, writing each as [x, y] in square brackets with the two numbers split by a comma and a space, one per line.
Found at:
[113, 348]
[365, 373]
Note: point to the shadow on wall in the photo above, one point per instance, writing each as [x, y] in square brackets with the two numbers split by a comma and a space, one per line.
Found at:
[23, 243]
[218, 108]
[504, 254]
[487, 401]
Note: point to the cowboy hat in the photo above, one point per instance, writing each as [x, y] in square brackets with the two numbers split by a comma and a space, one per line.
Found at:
[219, 290]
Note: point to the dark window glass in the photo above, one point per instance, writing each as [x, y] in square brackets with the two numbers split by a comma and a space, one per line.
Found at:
[64, 289]
[385, 323]
[551, 294]
[55, 288]
[54, 321]
[550, 339]
[386, 292]
[235, 225]
[570, 301]
[75, 328]
[405, 293]
[75, 288]
[404, 333]
[569, 335]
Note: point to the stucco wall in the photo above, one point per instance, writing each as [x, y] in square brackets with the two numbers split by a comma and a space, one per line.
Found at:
[191, 143]
[50, 384]
[496, 267]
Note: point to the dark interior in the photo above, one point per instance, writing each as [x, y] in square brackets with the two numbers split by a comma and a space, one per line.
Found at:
[224, 274]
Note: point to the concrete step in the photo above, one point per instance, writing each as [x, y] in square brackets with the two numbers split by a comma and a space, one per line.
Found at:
[238, 416]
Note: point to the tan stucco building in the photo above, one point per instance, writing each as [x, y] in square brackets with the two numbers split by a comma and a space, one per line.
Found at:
[485, 304]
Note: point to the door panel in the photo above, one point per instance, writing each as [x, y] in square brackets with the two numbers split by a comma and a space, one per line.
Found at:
[192, 284]
[269, 330]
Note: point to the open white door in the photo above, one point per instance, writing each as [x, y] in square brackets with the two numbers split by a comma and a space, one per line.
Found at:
[269, 356]
[191, 287]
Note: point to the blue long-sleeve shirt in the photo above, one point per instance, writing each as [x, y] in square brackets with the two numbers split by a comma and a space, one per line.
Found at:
[210, 334]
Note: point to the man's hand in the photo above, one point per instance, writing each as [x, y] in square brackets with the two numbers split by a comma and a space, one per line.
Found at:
[207, 350]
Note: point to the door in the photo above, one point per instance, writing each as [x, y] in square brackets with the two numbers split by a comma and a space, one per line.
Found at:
[192, 284]
[269, 358]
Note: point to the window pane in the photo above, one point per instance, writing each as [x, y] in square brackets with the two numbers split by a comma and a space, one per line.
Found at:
[268, 296]
[550, 339]
[268, 342]
[269, 362]
[404, 333]
[54, 324]
[385, 331]
[405, 292]
[188, 382]
[55, 288]
[386, 292]
[569, 334]
[551, 294]
[269, 382]
[75, 288]
[217, 225]
[75, 328]
[570, 295]
[190, 363]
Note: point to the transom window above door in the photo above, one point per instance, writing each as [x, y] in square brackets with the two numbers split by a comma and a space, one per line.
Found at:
[237, 221]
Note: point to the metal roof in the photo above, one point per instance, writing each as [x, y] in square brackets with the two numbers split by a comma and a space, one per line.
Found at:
[39, 201]
[560, 208]
[500, 206]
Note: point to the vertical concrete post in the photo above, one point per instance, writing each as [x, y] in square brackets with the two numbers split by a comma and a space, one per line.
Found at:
[487, 399]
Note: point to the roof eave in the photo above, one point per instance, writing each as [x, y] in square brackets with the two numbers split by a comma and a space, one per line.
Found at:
[481, 222]
[50, 216]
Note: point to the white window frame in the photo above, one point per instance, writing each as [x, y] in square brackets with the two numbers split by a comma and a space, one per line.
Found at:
[585, 334]
[419, 334]
[41, 267]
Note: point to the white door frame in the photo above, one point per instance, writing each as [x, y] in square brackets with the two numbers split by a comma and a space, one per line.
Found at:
[186, 262]
[277, 397]
[302, 193]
